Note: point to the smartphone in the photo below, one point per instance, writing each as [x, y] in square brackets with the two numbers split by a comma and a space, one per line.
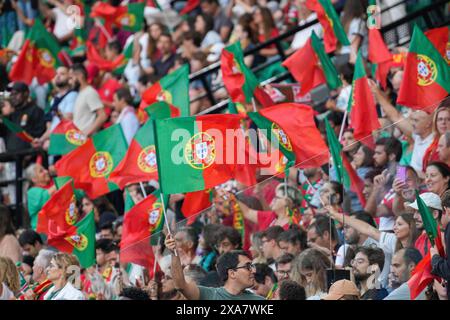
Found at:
[334, 275]
[401, 173]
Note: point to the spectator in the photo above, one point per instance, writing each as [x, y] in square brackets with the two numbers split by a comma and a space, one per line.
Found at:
[222, 24]
[320, 238]
[9, 279]
[265, 280]
[228, 239]
[9, 246]
[437, 177]
[283, 267]
[235, 270]
[441, 124]
[103, 210]
[166, 61]
[89, 113]
[58, 273]
[187, 242]
[204, 25]
[106, 231]
[291, 290]
[128, 120]
[292, 241]
[270, 248]
[342, 290]
[304, 16]
[403, 263]
[31, 242]
[194, 273]
[443, 148]
[267, 30]
[42, 284]
[256, 248]
[63, 26]
[207, 243]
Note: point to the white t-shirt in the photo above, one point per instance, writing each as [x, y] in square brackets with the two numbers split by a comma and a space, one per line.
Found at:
[7, 294]
[420, 146]
[129, 123]
[63, 25]
[65, 106]
[357, 27]
[69, 292]
[302, 36]
[87, 103]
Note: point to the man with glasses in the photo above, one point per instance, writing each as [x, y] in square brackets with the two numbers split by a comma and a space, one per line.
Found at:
[270, 248]
[284, 266]
[235, 269]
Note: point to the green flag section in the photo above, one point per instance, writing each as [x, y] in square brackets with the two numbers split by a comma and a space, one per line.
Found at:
[36, 197]
[60, 210]
[426, 80]
[91, 164]
[296, 122]
[129, 202]
[130, 17]
[194, 153]
[139, 163]
[38, 56]
[65, 138]
[162, 110]
[333, 31]
[274, 134]
[79, 240]
[173, 89]
[361, 107]
[345, 173]
[316, 67]
[142, 226]
[17, 130]
[238, 79]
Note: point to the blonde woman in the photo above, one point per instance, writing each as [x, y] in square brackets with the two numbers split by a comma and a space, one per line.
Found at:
[61, 267]
[9, 279]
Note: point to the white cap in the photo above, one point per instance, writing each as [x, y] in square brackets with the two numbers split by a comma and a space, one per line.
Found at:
[432, 200]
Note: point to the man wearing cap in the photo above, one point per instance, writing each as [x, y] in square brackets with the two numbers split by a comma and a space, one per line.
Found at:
[433, 202]
[25, 114]
[342, 290]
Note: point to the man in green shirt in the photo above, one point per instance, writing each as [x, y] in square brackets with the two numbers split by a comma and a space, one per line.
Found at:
[235, 269]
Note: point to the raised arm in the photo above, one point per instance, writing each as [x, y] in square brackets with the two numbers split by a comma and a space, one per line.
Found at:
[249, 214]
[358, 225]
[189, 289]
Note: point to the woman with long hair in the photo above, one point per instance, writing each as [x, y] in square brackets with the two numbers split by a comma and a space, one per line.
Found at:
[309, 269]
[354, 22]
[9, 245]
[9, 279]
[266, 29]
[104, 211]
[441, 124]
[58, 272]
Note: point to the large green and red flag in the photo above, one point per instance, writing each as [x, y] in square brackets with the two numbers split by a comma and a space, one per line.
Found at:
[142, 226]
[333, 31]
[139, 163]
[294, 127]
[311, 66]
[130, 17]
[173, 89]
[194, 203]
[238, 79]
[91, 164]
[361, 106]
[38, 56]
[17, 130]
[440, 38]
[162, 110]
[60, 210]
[421, 276]
[195, 153]
[345, 173]
[426, 80]
[78, 239]
[379, 56]
[65, 138]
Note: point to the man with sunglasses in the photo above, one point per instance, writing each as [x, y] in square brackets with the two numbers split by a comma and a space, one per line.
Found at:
[235, 269]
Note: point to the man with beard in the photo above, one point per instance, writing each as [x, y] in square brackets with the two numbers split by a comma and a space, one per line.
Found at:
[366, 266]
[235, 269]
[61, 106]
[88, 113]
[403, 263]
[23, 113]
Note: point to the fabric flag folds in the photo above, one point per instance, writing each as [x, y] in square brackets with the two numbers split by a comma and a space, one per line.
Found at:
[65, 138]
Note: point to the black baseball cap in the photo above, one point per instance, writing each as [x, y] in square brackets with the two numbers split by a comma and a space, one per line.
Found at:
[18, 87]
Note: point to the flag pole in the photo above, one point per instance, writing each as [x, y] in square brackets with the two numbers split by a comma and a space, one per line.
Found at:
[254, 104]
[143, 189]
[343, 125]
[103, 29]
[165, 219]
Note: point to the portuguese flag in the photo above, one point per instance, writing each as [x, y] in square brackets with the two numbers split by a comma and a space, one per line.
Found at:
[127, 55]
[194, 153]
[173, 89]
[238, 79]
[139, 163]
[440, 38]
[426, 80]
[38, 56]
[421, 276]
[162, 110]
[130, 17]
[361, 106]
[61, 182]
[379, 56]
[142, 226]
[94, 57]
[91, 164]
[332, 27]
[129, 202]
[15, 128]
[78, 239]
[345, 173]
[316, 67]
[65, 138]
[190, 5]
[196, 202]
[60, 210]
[294, 122]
